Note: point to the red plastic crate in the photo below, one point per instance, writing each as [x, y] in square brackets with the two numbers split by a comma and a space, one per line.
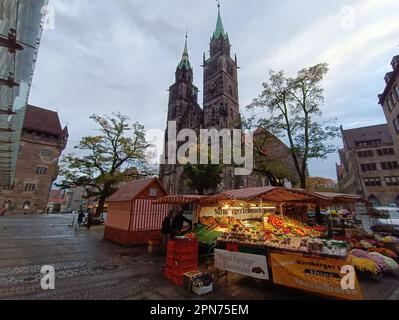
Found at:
[184, 242]
[179, 271]
[169, 261]
[169, 274]
[185, 256]
[185, 263]
[185, 250]
[171, 245]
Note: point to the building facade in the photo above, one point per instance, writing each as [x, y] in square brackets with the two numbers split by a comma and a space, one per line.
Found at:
[369, 165]
[389, 101]
[221, 109]
[42, 142]
[57, 201]
[320, 184]
[20, 33]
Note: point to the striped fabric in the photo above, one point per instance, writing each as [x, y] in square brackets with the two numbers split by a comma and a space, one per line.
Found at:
[146, 216]
[180, 199]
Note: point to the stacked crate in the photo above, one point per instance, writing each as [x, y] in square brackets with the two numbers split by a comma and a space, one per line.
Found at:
[182, 257]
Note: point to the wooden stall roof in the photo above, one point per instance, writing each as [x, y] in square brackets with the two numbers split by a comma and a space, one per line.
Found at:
[341, 198]
[268, 194]
[182, 199]
[131, 190]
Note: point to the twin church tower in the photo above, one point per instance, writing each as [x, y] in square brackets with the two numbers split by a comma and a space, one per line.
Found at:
[220, 103]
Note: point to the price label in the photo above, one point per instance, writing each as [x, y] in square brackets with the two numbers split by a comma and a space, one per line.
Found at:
[295, 242]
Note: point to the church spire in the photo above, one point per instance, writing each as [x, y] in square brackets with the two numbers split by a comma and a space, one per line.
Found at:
[185, 61]
[219, 31]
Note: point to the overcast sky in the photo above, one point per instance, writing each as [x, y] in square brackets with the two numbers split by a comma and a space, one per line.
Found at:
[105, 56]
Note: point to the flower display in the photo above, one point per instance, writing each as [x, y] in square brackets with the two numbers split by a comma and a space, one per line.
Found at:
[358, 253]
[386, 252]
[391, 264]
[365, 265]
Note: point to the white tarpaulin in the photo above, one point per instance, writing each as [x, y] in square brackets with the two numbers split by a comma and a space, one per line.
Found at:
[251, 265]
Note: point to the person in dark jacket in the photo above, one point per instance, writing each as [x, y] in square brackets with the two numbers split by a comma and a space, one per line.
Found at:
[318, 215]
[167, 229]
[89, 219]
[178, 222]
[81, 216]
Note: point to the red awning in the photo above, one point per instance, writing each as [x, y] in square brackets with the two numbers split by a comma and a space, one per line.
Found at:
[267, 194]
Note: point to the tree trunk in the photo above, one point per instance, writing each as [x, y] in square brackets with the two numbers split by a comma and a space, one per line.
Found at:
[101, 205]
[101, 201]
[303, 180]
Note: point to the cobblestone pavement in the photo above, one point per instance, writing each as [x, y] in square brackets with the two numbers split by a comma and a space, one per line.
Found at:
[88, 267]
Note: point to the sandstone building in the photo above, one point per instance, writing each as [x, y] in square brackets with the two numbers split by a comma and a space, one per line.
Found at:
[389, 101]
[42, 141]
[369, 165]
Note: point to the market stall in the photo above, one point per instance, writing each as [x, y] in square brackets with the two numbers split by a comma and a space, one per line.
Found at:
[261, 240]
[263, 233]
[133, 218]
[341, 213]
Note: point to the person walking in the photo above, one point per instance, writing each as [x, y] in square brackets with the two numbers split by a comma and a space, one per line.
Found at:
[318, 215]
[89, 219]
[3, 212]
[178, 222]
[81, 216]
[167, 232]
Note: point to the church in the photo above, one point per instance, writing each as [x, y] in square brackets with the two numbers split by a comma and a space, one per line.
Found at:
[221, 108]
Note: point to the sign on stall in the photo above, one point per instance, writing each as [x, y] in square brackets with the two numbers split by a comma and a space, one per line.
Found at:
[237, 213]
[322, 276]
[251, 265]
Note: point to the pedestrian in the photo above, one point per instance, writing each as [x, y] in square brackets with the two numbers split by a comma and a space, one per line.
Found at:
[81, 216]
[3, 212]
[178, 222]
[89, 219]
[167, 233]
[318, 215]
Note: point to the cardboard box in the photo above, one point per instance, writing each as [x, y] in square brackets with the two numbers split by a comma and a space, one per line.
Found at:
[188, 279]
[203, 290]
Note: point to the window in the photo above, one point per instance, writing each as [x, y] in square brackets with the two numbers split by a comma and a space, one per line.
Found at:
[372, 182]
[26, 205]
[389, 165]
[392, 181]
[389, 104]
[153, 192]
[367, 143]
[397, 90]
[29, 187]
[386, 152]
[45, 153]
[8, 188]
[41, 170]
[7, 204]
[396, 125]
[394, 98]
[365, 154]
[368, 167]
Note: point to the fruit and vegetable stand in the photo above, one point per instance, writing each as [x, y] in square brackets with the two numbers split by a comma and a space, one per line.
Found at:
[258, 239]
